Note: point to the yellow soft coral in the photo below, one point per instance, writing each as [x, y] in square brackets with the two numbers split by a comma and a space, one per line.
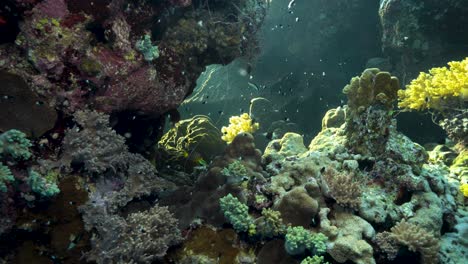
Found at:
[238, 124]
[464, 189]
[435, 89]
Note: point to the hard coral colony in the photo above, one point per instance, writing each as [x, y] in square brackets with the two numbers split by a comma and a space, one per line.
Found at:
[92, 170]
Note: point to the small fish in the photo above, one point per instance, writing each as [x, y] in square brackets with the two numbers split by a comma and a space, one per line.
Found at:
[254, 86]
[2, 21]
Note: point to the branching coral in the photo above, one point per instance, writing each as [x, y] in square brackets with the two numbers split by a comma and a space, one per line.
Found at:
[270, 224]
[235, 172]
[5, 176]
[299, 239]
[142, 237]
[14, 144]
[314, 260]
[438, 89]
[343, 188]
[41, 185]
[238, 124]
[237, 214]
[416, 239]
[94, 145]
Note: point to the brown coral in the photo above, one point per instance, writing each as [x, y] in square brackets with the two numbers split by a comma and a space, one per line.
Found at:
[343, 188]
[417, 239]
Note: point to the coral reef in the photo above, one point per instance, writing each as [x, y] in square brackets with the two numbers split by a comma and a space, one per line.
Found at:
[370, 99]
[87, 176]
[70, 56]
[20, 185]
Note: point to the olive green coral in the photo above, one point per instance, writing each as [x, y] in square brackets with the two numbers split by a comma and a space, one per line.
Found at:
[196, 134]
[373, 86]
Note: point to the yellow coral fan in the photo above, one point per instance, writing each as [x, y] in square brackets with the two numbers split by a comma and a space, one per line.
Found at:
[464, 189]
[238, 124]
[435, 89]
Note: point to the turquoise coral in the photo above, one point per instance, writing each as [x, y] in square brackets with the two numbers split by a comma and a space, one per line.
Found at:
[299, 239]
[146, 48]
[237, 214]
[41, 186]
[14, 143]
[5, 176]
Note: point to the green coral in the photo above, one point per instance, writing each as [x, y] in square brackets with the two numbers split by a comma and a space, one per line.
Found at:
[373, 86]
[314, 260]
[146, 48]
[237, 214]
[14, 144]
[299, 239]
[41, 185]
[270, 224]
[5, 176]
[235, 172]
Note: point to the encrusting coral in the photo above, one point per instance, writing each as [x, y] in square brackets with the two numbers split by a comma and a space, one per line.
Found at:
[371, 97]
